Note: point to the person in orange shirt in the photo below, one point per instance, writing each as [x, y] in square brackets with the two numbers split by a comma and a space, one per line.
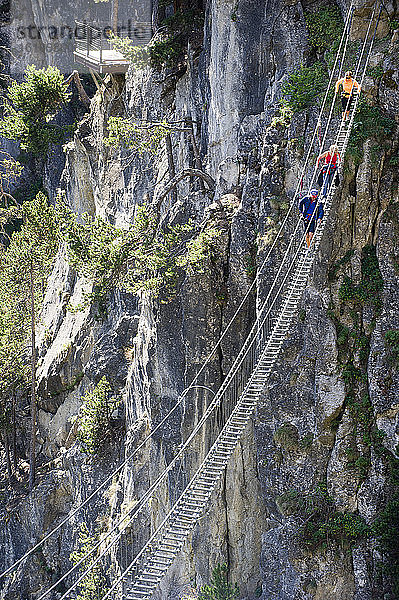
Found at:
[349, 87]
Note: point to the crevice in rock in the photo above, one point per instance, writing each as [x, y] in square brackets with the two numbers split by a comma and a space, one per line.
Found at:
[226, 514]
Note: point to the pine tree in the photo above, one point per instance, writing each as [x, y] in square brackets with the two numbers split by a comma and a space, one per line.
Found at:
[30, 107]
[24, 268]
[93, 586]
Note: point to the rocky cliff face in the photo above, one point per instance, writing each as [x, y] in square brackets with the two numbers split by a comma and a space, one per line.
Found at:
[324, 439]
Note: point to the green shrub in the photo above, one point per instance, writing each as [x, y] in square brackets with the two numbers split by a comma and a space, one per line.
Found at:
[219, 587]
[140, 258]
[361, 409]
[347, 290]
[326, 526]
[385, 528]
[199, 250]
[352, 53]
[343, 261]
[307, 441]
[392, 342]
[343, 334]
[325, 26]
[165, 53]
[375, 72]
[291, 502]
[166, 50]
[287, 436]
[30, 107]
[351, 374]
[284, 116]
[338, 527]
[393, 24]
[94, 416]
[184, 21]
[303, 86]
[362, 466]
[372, 282]
[302, 315]
[321, 524]
[371, 285]
[250, 265]
[369, 122]
[93, 585]
[234, 15]
[136, 55]
[179, 27]
[141, 137]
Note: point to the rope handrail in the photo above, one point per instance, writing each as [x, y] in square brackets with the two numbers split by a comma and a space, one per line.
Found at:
[210, 355]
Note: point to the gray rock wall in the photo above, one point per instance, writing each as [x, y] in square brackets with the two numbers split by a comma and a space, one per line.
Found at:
[304, 428]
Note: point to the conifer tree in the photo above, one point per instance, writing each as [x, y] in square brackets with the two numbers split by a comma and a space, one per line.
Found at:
[93, 586]
[24, 268]
[30, 107]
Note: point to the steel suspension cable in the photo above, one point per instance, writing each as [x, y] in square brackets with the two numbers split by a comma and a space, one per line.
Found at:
[365, 43]
[167, 517]
[345, 35]
[340, 69]
[199, 469]
[193, 383]
[215, 403]
[358, 68]
[154, 536]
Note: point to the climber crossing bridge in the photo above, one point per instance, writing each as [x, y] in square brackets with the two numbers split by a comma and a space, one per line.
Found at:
[142, 577]
[140, 573]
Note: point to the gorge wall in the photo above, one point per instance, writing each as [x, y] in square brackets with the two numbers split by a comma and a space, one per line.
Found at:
[326, 431]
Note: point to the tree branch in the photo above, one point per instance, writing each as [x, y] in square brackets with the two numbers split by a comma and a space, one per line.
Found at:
[182, 175]
[198, 161]
[81, 91]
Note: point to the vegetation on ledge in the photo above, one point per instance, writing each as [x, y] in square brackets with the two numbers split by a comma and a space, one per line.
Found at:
[30, 108]
[140, 258]
[322, 525]
[219, 587]
[95, 416]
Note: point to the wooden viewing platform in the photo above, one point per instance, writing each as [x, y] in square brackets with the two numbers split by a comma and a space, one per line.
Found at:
[93, 49]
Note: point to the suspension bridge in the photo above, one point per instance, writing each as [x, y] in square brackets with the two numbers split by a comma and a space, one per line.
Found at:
[138, 573]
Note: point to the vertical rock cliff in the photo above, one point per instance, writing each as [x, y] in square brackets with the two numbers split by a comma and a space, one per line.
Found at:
[324, 441]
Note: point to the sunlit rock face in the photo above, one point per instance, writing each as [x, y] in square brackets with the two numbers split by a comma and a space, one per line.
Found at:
[304, 433]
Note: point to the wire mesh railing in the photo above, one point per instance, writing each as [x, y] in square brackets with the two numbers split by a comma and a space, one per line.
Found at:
[90, 40]
[97, 43]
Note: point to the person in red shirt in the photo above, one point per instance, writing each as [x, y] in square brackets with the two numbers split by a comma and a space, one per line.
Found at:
[349, 87]
[330, 162]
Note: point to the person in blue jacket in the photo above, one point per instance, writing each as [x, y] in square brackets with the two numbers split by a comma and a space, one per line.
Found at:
[312, 212]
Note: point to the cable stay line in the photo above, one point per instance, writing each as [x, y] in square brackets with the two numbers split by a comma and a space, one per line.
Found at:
[194, 383]
[142, 576]
[238, 394]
